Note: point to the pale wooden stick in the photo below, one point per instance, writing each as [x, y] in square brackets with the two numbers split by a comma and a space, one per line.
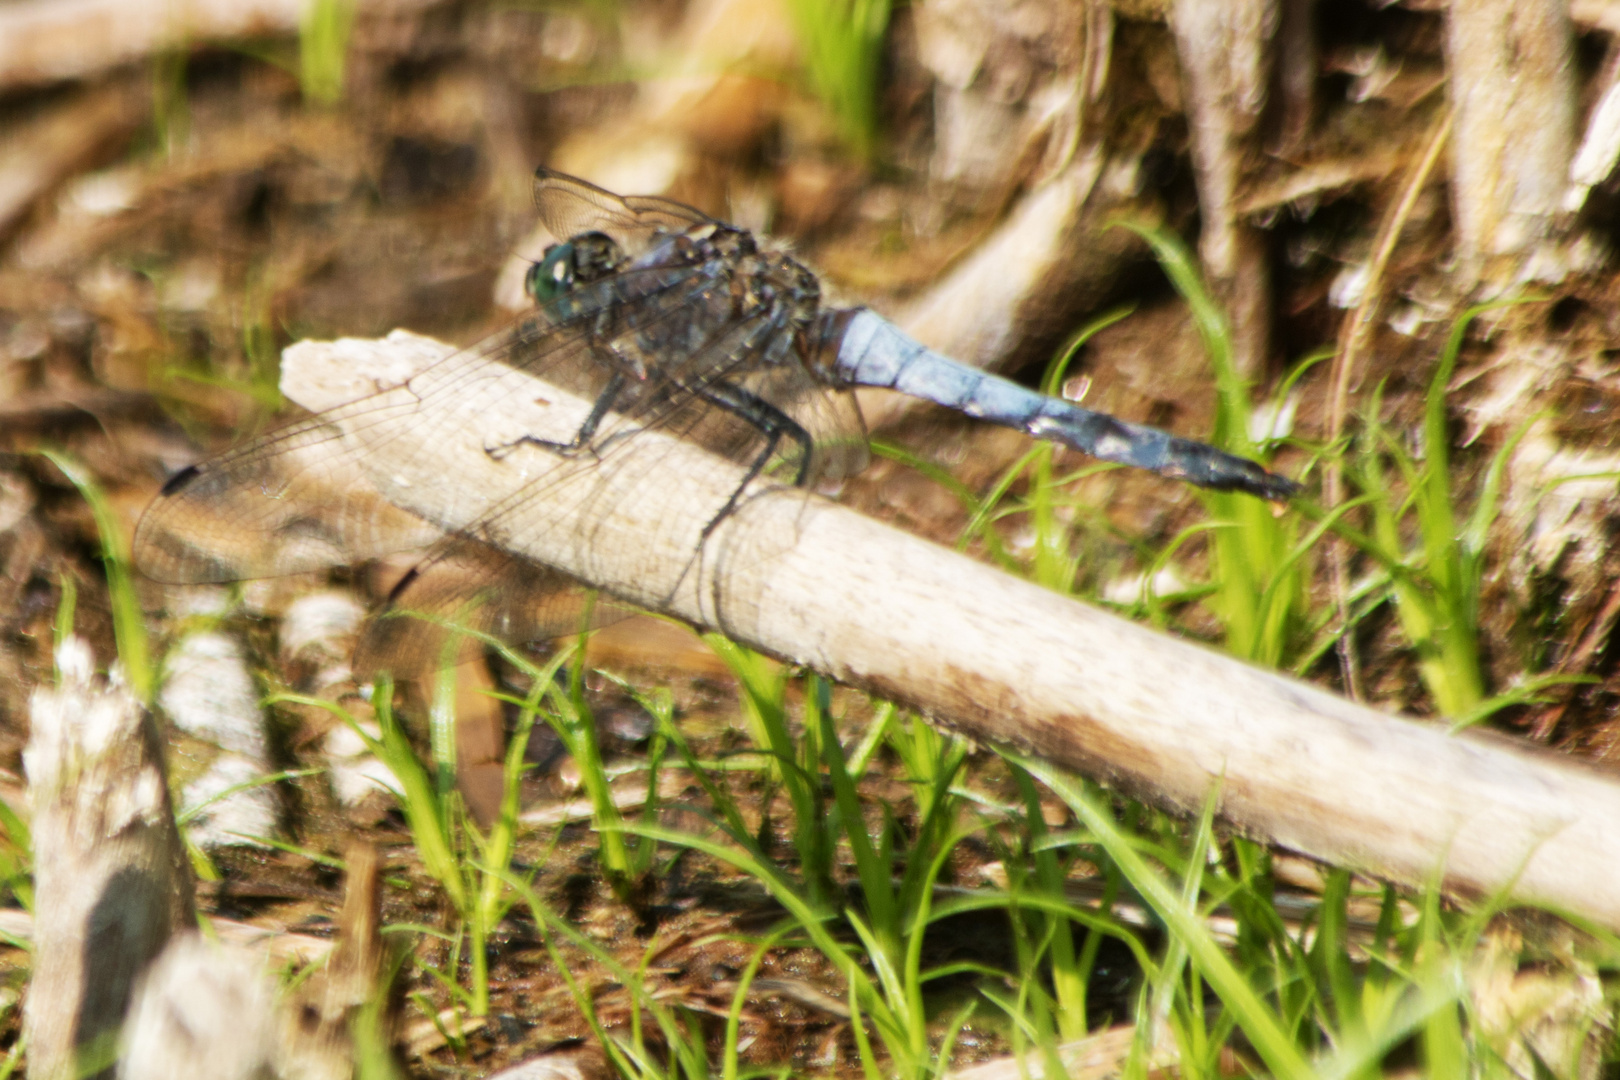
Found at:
[994, 657]
[48, 40]
[111, 882]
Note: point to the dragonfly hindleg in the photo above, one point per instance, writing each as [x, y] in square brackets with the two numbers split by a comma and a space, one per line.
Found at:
[770, 421]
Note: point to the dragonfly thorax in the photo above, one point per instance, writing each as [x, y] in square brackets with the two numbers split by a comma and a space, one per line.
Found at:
[775, 282]
[765, 285]
[587, 257]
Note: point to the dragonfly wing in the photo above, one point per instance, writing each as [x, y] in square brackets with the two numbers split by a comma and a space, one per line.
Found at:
[569, 206]
[299, 497]
[291, 502]
[465, 586]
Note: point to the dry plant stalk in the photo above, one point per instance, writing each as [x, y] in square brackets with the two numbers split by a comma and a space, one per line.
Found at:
[1355, 338]
[43, 41]
[111, 882]
[1512, 84]
[317, 1024]
[1223, 46]
[207, 1011]
[993, 657]
[203, 1012]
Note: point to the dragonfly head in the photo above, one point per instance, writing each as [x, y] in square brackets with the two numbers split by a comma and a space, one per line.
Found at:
[587, 257]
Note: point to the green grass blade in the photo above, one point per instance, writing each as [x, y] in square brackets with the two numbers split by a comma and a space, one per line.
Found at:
[1181, 267]
[65, 612]
[323, 45]
[1268, 1037]
[129, 622]
[418, 799]
[843, 47]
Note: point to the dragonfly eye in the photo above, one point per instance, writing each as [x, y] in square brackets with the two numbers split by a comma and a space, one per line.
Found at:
[552, 276]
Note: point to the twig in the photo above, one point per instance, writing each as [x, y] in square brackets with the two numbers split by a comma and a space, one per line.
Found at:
[45, 41]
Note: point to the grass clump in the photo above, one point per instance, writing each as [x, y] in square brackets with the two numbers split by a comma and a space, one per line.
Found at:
[843, 46]
[1258, 570]
[871, 928]
[1431, 556]
[470, 865]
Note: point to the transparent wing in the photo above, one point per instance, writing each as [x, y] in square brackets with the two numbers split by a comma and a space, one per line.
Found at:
[569, 206]
[468, 582]
[463, 585]
[832, 420]
[655, 347]
[298, 498]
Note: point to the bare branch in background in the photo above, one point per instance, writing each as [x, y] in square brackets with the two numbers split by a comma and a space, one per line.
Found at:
[1512, 87]
[1223, 46]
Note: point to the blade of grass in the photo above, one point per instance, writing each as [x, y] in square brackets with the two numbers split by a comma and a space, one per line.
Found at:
[419, 801]
[1269, 1038]
[129, 622]
[323, 45]
[843, 46]
[1260, 588]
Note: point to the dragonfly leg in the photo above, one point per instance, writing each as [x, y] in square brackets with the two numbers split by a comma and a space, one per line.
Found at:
[582, 437]
[771, 422]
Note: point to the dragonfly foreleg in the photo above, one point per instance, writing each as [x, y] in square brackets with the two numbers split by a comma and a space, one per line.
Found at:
[582, 437]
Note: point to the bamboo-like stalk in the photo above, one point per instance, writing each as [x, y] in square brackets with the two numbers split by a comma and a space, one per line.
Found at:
[1223, 46]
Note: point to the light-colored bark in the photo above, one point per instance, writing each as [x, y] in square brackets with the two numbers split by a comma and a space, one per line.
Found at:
[1512, 85]
[994, 657]
[45, 41]
[1600, 144]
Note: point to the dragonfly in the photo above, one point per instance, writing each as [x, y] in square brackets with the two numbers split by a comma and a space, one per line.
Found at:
[659, 318]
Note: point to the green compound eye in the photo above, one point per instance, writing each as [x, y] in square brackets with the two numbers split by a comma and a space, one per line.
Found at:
[552, 276]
